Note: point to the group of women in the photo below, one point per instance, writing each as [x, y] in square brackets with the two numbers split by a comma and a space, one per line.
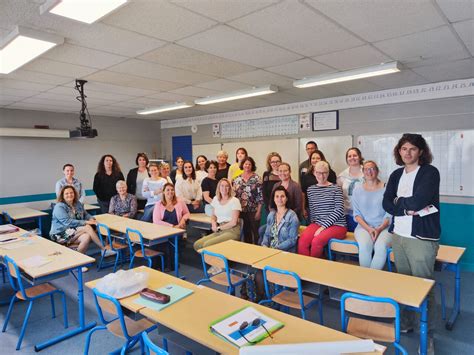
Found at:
[235, 196]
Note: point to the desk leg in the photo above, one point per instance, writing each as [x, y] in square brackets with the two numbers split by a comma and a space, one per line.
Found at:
[82, 326]
[176, 256]
[457, 297]
[40, 225]
[424, 327]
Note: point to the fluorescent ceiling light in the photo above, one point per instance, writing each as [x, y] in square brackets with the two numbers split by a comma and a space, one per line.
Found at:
[176, 106]
[23, 45]
[241, 94]
[347, 75]
[88, 11]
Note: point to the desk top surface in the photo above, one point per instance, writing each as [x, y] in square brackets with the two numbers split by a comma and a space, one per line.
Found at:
[23, 212]
[61, 258]
[450, 254]
[90, 207]
[407, 290]
[200, 218]
[244, 253]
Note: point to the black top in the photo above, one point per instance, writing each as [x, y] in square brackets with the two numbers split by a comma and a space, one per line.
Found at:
[173, 176]
[222, 173]
[170, 217]
[268, 181]
[210, 185]
[132, 181]
[104, 185]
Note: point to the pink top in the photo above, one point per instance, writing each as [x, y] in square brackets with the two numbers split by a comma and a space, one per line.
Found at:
[159, 211]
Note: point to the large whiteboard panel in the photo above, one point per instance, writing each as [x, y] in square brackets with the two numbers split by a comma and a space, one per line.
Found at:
[334, 149]
[258, 150]
[209, 150]
[453, 153]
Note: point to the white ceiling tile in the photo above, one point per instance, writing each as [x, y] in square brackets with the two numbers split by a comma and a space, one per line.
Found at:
[243, 104]
[355, 87]
[457, 10]
[172, 97]
[116, 89]
[129, 104]
[293, 25]
[195, 91]
[23, 85]
[223, 85]
[186, 58]
[301, 69]
[262, 77]
[353, 58]
[174, 22]
[224, 10]
[383, 19]
[48, 66]
[17, 92]
[161, 72]
[127, 80]
[149, 102]
[239, 46]
[92, 58]
[439, 42]
[313, 93]
[404, 78]
[465, 29]
[39, 107]
[36, 77]
[57, 103]
[279, 98]
[461, 69]
[62, 93]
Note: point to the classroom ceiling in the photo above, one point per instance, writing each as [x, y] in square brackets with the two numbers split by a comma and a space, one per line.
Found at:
[157, 52]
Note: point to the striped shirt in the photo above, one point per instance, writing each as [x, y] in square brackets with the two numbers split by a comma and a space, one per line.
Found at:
[326, 205]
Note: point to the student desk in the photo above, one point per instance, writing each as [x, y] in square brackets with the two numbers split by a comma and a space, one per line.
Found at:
[192, 316]
[200, 221]
[24, 213]
[408, 290]
[154, 233]
[242, 253]
[91, 208]
[64, 260]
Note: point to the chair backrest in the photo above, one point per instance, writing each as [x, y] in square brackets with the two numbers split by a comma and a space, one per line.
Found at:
[7, 217]
[134, 235]
[109, 305]
[342, 246]
[214, 259]
[281, 277]
[150, 347]
[14, 276]
[104, 232]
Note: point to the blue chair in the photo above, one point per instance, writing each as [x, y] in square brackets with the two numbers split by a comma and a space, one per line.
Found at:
[377, 307]
[227, 277]
[119, 324]
[149, 345]
[29, 294]
[348, 248]
[110, 244]
[289, 291]
[145, 253]
[391, 259]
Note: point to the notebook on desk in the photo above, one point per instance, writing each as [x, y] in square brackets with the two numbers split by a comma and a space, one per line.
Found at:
[175, 292]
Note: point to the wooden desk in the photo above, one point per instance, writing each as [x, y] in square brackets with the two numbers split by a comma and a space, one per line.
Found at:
[24, 213]
[154, 233]
[64, 260]
[200, 221]
[192, 316]
[243, 253]
[92, 209]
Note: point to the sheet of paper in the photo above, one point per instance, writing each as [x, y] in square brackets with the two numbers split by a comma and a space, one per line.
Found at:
[34, 261]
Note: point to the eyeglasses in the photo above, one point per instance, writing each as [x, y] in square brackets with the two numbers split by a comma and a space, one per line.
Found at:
[370, 170]
[257, 322]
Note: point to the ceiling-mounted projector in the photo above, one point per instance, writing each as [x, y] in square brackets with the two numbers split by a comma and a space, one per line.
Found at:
[85, 130]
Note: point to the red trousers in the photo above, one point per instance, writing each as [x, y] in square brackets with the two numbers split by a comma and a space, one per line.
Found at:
[308, 244]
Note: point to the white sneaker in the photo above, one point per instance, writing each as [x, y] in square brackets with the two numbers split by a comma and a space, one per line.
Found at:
[109, 252]
[85, 269]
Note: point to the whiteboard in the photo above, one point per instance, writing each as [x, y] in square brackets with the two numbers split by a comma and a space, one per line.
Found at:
[453, 153]
[334, 149]
[209, 150]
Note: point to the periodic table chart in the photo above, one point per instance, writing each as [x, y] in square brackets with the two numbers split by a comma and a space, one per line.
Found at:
[453, 153]
[277, 126]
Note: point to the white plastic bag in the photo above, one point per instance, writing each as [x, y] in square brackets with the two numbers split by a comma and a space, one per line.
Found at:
[123, 283]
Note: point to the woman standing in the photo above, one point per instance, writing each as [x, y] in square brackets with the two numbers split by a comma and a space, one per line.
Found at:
[294, 190]
[348, 180]
[171, 211]
[177, 173]
[165, 172]
[189, 189]
[235, 170]
[209, 186]
[248, 189]
[152, 189]
[224, 219]
[135, 178]
[326, 210]
[270, 177]
[70, 180]
[371, 232]
[123, 204]
[107, 175]
[223, 167]
[201, 172]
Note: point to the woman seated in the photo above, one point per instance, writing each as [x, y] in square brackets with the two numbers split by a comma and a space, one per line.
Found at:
[209, 185]
[225, 217]
[123, 204]
[371, 232]
[189, 189]
[152, 189]
[71, 224]
[326, 211]
[171, 211]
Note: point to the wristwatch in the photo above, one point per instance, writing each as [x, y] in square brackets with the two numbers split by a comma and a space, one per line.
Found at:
[218, 229]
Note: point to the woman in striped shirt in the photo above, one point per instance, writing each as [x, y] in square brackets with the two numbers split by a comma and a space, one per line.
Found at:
[326, 211]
